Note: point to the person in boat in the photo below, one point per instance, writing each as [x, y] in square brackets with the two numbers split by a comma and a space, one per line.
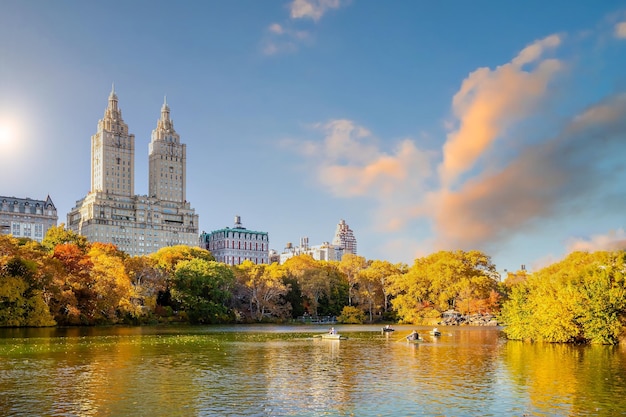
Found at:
[435, 330]
[388, 327]
[413, 336]
[332, 331]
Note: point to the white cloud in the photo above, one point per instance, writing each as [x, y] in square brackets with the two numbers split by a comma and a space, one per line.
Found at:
[312, 9]
[276, 28]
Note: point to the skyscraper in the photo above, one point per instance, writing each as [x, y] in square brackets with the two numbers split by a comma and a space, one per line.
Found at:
[344, 238]
[112, 213]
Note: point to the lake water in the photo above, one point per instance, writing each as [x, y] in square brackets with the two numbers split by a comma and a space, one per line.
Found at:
[287, 371]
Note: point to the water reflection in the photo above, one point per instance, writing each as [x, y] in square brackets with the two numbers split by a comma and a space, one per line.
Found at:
[286, 371]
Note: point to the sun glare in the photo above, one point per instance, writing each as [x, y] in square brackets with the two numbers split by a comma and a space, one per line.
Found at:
[6, 134]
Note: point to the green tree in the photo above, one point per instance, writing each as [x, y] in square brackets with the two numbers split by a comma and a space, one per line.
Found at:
[204, 290]
[57, 235]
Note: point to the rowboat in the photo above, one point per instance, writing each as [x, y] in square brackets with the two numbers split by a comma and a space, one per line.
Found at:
[333, 336]
[388, 329]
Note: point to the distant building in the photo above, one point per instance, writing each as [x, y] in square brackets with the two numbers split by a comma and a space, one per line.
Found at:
[233, 246]
[344, 238]
[25, 217]
[343, 242]
[112, 213]
[323, 252]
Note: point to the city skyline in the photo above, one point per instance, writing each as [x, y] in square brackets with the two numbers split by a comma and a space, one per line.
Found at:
[497, 127]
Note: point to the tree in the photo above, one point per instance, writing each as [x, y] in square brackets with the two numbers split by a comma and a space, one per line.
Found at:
[57, 235]
[580, 299]
[112, 289]
[441, 281]
[203, 290]
[168, 257]
[146, 278]
[351, 315]
[312, 278]
[351, 265]
[74, 298]
[264, 288]
[374, 283]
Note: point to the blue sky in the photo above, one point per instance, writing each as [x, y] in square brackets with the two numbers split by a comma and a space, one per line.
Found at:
[490, 125]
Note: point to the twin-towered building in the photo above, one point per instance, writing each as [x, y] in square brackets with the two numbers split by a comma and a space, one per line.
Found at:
[112, 213]
[142, 224]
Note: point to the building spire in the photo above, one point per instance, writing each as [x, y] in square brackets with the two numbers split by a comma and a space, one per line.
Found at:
[113, 98]
[165, 111]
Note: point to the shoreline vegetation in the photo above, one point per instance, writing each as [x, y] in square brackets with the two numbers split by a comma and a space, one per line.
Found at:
[67, 281]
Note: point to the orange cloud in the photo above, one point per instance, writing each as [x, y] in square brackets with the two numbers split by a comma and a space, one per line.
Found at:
[351, 164]
[490, 101]
[613, 240]
[620, 30]
[561, 170]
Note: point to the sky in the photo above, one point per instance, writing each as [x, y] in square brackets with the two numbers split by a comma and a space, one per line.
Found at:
[426, 126]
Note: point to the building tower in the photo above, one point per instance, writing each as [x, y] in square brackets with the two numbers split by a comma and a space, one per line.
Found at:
[113, 153]
[344, 238]
[168, 161]
[112, 213]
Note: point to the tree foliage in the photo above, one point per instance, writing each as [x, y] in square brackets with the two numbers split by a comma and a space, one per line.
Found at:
[263, 288]
[203, 289]
[580, 299]
[441, 281]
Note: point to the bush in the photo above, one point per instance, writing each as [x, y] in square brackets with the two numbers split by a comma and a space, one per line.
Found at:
[351, 315]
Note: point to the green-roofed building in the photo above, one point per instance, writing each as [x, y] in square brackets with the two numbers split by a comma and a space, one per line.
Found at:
[234, 245]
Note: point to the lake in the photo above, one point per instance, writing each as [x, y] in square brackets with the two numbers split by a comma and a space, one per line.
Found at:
[267, 370]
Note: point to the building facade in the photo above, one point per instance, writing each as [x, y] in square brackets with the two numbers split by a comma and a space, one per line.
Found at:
[112, 213]
[233, 246]
[344, 238]
[323, 252]
[25, 217]
[343, 242]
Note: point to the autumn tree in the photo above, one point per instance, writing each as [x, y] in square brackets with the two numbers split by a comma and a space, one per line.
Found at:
[374, 283]
[351, 265]
[312, 278]
[580, 299]
[146, 278]
[57, 235]
[263, 287]
[74, 299]
[112, 288]
[21, 303]
[441, 281]
[168, 257]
